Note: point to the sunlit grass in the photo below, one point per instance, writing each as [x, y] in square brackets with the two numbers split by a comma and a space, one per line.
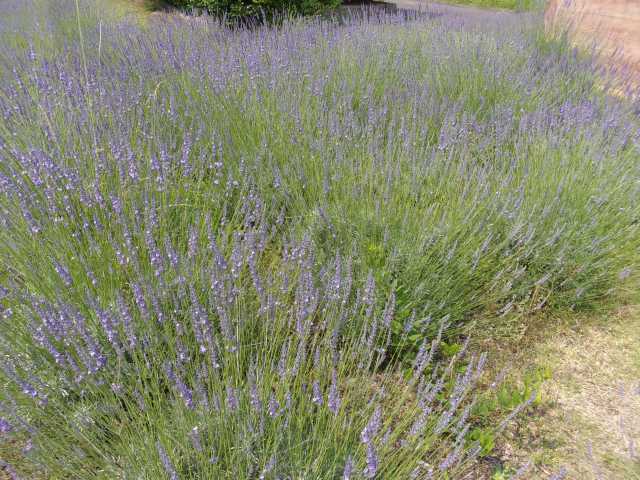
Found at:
[519, 5]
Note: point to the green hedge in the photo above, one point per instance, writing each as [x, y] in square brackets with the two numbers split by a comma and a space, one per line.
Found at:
[250, 8]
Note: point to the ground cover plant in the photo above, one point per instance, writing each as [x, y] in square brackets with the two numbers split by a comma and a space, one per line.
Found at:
[250, 253]
[502, 4]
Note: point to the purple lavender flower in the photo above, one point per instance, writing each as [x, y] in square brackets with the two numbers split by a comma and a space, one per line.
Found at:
[408, 325]
[166, 462]
[171, 254]
[372, 461]
[28, 447]
[282, 362]
[154, 254]
[127, 322]
[63, 273]
[184, 392]
[273, 406]
[232, 398]
[156, 168]
[196, 440]
[301, 356]
[140, 301]
[8, 469]
[372, 427]
[317, 396]
[139, 400]
[184, 160]
[254, 396]
[625, 273]
[192, 247]
[133, 170]
[5, 426]
[271, 464]
[389, 310]
[34, 227]
[420, 422]
[559, 475]
[109, 327]
[334, 400]
[451, 459]
[522, 471]
[348, 469]
[116, 203]
[368, 294]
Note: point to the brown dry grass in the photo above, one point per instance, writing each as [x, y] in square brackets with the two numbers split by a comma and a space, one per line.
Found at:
[590, 408]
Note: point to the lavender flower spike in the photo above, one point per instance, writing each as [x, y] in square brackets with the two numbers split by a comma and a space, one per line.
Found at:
[317, 397]
[166, 462]
[334, 400]
[348, 469]
[372, 462]
[372, 428]
[232, 398]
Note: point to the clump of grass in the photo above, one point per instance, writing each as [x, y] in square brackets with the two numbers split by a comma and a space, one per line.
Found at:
[518, 5]
[236, 252]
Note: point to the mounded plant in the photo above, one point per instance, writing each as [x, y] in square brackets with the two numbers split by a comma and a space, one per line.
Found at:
[257, 8]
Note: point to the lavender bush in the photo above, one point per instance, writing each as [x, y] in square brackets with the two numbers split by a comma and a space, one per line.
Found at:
[234, 253]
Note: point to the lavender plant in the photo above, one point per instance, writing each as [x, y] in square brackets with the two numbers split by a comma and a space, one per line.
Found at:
[216, 365]
[234, 253]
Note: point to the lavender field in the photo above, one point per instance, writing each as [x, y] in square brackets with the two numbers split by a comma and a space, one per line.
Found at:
[259, 252]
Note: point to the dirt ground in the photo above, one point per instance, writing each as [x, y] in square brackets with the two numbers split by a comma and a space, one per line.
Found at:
[588, 417]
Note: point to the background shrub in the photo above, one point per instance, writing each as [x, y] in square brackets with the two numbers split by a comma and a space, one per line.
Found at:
[257, 8]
